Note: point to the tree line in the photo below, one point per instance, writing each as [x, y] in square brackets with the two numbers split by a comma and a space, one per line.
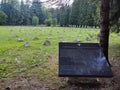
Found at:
[82, 13]
[20, 13]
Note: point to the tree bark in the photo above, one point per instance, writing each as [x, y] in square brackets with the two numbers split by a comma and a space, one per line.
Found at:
[104, 33]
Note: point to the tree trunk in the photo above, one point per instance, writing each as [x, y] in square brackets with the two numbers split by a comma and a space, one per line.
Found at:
[117, 28]
[104, 33]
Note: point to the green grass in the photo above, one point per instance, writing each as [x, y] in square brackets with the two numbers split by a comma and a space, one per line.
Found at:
[16, 59]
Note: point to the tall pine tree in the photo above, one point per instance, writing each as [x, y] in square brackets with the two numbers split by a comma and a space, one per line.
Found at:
[36, 10]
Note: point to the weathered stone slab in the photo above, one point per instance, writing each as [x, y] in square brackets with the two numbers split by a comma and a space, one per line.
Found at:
[82, 60]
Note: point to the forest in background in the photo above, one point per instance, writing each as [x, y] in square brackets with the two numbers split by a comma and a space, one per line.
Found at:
[81, 13]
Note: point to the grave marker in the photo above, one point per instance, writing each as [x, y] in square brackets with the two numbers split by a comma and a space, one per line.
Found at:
[77, 41]
[47, 43]
[82, 60]
[20, 39]
[16, 36]
[63, 40]
[88, 39]
[35, 38]
[49, 36]
[27, 44]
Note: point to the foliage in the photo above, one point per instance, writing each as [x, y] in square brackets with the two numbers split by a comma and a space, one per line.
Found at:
[10, 8]
[47, 13]
[115, 28]
[97, 15]
[25, 14]
[35, 20]
[36, 10]
[64, 15]
[115, 15]
[48, 22]
[54, 21]
[74, 13]
[22, 12]
[82, 13]
[3, 18]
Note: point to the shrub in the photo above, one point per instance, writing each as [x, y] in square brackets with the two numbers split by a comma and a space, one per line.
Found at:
[3, 18]
[48, 22]
[35, 20]
[54, 22]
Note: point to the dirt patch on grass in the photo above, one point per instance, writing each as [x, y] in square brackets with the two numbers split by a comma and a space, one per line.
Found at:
[45, 77]
[42, 77]
[100, 83]
[23, 83]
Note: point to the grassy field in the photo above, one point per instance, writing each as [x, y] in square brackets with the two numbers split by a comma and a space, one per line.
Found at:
[38, 63]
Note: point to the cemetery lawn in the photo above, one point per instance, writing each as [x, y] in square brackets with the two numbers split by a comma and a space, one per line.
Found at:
[35, 67]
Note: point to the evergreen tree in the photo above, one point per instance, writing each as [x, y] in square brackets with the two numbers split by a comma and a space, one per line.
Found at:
[47, 13]
[3, 18]
[54, 21]
[36, 10]
[115, 15]
[64, 15]
[11, 10]
[82, 13]
[25, 14]
[35, 20]
[97, 15]
[22, 18]
[48, 22]
[74, 13]
[91, 11]
[67, 15]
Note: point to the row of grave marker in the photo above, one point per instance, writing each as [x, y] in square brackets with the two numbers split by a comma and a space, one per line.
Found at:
[47, 42]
